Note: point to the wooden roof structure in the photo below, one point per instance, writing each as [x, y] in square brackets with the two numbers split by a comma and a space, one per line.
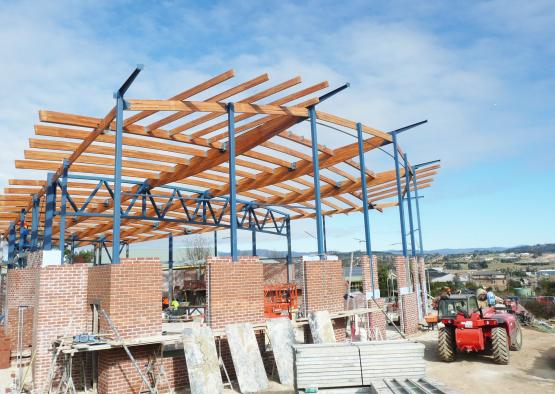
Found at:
[182, 141]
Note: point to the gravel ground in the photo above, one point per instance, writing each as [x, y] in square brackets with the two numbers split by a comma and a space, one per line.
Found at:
[531, 370]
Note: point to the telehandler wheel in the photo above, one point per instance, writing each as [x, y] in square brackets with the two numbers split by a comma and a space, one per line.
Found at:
[500, 345]
[516, 342]
[446, 346]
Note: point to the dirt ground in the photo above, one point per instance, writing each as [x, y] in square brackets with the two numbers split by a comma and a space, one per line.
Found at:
[531, 370]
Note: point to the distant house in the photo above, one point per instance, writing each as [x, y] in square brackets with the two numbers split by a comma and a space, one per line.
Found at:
[546, 274]
[495, 279]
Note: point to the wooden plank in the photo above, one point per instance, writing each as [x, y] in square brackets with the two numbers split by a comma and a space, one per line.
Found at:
[185, 94]
[220, 96]
[205, 106]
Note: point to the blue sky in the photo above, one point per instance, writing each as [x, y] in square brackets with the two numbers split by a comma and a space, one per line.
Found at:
[480, 72]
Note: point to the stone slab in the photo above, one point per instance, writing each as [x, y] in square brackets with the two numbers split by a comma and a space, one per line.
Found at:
[321, 327]
[203, 366]
[246, 357]
[282, 338]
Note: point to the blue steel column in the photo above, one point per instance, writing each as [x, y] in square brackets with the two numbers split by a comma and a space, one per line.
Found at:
[289, 256]
[399, 194]
[35, 223]
[63, 207]
[365, 209]
[414, 182]
[21, 236]
[409, 205]
[170, 267]
[11, 243]
[116, 223]
[117, 179]
[232, 184]
[215, 244]
[50, 207]
[316, 175]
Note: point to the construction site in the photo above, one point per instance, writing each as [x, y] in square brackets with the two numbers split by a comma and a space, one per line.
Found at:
[239, 158]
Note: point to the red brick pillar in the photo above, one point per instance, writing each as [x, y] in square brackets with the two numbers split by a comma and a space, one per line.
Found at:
[410, 313]
[423, 283]
[376, 319]
[408, 305]
[324, 288]
[401, 271]
[416, 286]
[20, 291]
[61, 310]
[131, 293]
[235, 291]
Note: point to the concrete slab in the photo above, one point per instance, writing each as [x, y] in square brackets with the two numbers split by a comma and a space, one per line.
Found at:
[246, 357]
[282, 337]
[321, 327]
[201, 356]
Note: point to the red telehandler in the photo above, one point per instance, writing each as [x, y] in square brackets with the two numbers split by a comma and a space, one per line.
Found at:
[465, 327]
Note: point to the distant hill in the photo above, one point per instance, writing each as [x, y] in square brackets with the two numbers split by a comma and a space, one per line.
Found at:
[540, 248]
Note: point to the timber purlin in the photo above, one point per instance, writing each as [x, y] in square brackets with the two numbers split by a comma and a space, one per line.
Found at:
[187, 149]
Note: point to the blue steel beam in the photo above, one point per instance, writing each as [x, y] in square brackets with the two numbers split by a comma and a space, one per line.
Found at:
[365, 208]
[215, 244]
[50, 207]
[289, 255]
[63, 209]
[333, 92]
[120, 104]
[21, 236]
[232, 181]
[117, 179]
[35, 223]
[409, 204]
[11, 243]
[316, 176]
[170, 267]
[399, 194]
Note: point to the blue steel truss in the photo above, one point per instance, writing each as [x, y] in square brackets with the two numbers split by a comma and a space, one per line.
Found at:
[202, 210]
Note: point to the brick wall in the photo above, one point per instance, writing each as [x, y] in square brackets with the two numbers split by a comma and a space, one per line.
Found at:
[410, 313]
[324, 285]
[116, 374]
[130, 292]
[235, 291]
[61, 309]
[20, 290]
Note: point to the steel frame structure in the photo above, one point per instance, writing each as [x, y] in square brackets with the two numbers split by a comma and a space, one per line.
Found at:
[121, 211]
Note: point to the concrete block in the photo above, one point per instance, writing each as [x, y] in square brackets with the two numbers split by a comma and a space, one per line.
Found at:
[247, 360]
[282, 338]
[203, 366]
[321, 327]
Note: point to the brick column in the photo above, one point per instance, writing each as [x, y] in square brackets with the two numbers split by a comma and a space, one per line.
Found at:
[235, 291]
[423, 283]
[408, 306]
[416, 285]
[376, 319]
[61, 309]
[324, 288]
[410, 313]
[401, 271]
[130, 292]
[20, 291]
